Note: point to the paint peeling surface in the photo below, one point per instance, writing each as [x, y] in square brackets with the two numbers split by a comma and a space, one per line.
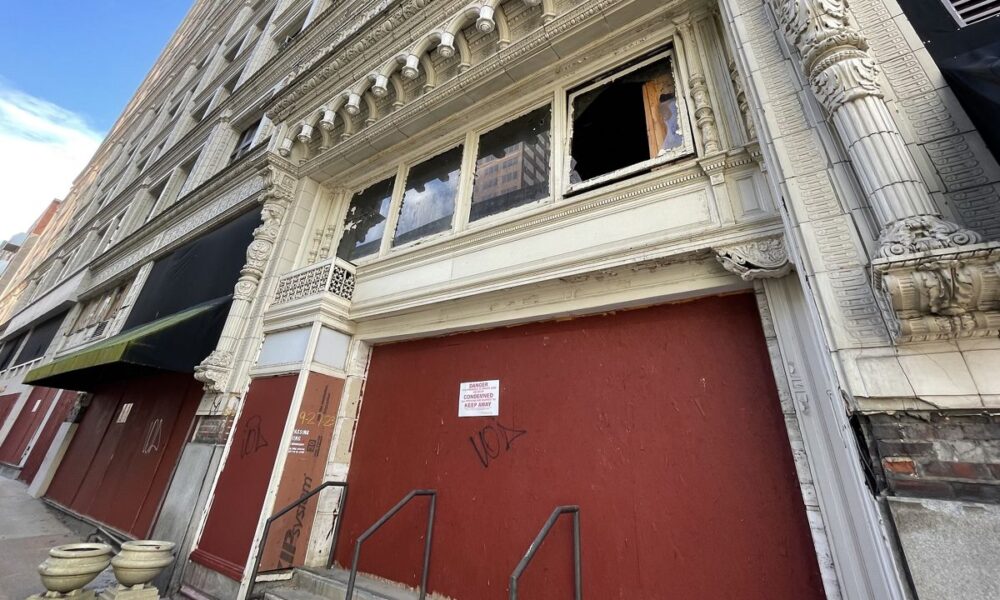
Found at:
[663, 424]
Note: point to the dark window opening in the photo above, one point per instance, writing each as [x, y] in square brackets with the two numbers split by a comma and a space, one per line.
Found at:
[627, 119]
[429, 198]
[364, 224]
[9, 349]
[40, 339]
[512, 165]
[245, 143]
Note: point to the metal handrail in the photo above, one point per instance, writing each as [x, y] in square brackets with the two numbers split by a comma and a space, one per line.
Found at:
[284, 511]
[521, 566]
[382, 521]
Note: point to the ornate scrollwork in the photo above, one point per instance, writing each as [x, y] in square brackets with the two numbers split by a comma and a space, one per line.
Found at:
[944, 293]
[756, 259]
[923, 233]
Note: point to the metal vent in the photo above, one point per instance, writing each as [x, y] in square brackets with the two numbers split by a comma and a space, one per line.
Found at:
[967, 12]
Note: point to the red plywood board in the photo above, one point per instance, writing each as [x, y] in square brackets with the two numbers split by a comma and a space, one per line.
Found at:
[6, 404]
[305, 463]
[64, 404]
[75, 465]
[239, 493]
[31, 418]
[116, 471]
[663, 424]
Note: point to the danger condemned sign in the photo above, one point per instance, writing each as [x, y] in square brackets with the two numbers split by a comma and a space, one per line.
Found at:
[479, 398]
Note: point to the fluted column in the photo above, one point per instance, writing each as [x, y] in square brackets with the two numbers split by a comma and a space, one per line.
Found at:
[215, 370]
[937, 279]
[843, 76]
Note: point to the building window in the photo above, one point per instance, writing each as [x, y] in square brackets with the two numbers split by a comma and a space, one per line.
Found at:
[245, 142]
[429, 198]
[512, 165]
[364, 224]
[626, 122]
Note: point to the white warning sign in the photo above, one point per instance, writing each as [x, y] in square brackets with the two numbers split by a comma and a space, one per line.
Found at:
[479, 398]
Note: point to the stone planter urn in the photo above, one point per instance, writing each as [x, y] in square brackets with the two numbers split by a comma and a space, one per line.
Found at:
[72, 566]
[141, 561]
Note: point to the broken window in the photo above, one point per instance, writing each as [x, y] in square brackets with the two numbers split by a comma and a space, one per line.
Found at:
[512, 165]
[364, 225]
[429, 198]
[627, 122]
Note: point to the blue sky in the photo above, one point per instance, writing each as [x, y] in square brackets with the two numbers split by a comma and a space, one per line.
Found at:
[67, 69]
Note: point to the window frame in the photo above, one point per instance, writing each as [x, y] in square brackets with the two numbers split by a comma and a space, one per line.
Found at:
[609, 75]
[549, 100]
[396, 206]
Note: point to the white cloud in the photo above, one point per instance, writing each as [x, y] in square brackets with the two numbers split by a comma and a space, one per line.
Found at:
[43, 147]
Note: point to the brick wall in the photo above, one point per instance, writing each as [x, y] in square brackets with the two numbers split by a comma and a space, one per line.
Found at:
[938, 454]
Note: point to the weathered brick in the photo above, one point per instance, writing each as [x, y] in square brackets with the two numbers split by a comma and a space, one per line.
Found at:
[995, 470]
[963, 470]
[976, 492]
[922, 488]
[905, 448]
[899, 466]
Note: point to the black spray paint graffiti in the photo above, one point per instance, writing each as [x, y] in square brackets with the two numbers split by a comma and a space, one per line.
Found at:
[490, 440]
[254, 438]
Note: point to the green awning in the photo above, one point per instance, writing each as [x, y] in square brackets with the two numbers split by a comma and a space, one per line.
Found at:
[176, 342]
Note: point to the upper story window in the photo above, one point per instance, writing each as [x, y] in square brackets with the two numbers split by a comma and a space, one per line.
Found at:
[429, 197]
[364, 224]
[245, 141]
[625, 122]
[512, 165]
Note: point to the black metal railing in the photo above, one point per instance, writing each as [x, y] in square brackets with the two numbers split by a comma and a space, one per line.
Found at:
[382, 521]
[521, 566]
[284, 511]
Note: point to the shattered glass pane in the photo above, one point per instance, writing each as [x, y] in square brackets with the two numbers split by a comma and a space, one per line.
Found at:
[364, 225]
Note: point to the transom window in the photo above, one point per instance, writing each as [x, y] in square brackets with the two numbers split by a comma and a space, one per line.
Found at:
[512, 165]
[429, 198]
[364, 224]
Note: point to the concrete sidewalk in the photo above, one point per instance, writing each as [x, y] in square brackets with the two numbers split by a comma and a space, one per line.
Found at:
[28, 528]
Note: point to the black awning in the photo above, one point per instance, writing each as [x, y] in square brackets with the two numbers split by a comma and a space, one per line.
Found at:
[174, 343]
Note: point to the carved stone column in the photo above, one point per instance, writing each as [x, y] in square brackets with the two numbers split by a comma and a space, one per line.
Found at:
[704, 114]
[937, 280]
[215, 370]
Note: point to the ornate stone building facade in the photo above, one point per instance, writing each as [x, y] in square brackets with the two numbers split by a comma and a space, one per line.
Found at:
[721, 275]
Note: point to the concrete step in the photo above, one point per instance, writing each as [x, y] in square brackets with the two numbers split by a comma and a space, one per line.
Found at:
[331, 584]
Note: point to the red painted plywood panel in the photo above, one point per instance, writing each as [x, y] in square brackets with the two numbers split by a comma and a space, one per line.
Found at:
[663, 424]
[28, 422]
[239, 494]
[75, 465]
[6, 404]
[64, 404]
[305, 464]
[117, 468]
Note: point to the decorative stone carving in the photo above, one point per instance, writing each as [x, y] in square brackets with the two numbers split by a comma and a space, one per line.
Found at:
[277, 196]
[704, 114]
[742, 102]
[934, 276]
[756, 259]
[941, 293]
[331, 276]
